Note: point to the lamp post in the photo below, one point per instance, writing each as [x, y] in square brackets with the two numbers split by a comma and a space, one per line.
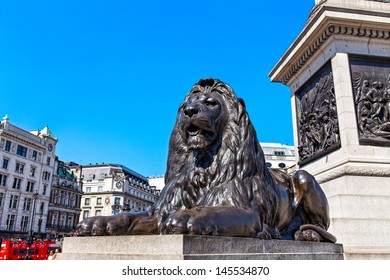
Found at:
[35, 196]
[40, 224]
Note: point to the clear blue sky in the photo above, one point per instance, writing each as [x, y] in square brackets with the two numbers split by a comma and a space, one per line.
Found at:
[107, 77]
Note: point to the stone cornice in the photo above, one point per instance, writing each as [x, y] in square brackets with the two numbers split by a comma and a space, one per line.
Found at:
[22, 139]
[328, 21]
[352, 171]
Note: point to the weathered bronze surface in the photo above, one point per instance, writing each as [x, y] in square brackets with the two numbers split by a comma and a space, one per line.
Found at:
[318, 126]
[217, 182]
[371, 89]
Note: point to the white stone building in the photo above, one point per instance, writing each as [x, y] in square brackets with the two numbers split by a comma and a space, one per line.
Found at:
[278, 155]
[112, 188]
[157, 181]
[26, 171]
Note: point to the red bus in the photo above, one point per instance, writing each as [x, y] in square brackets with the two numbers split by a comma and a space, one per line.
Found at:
[13, 250]
[19, 250]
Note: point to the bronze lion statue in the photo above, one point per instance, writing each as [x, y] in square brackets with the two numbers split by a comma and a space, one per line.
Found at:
[217, 182]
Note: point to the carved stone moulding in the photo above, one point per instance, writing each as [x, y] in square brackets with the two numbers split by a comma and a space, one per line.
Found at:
[317, 121]
[333, 29]
[352, 171]
[371, 93]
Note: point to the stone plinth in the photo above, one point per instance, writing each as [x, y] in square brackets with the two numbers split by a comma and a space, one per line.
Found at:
[340, 58]
[189, 247]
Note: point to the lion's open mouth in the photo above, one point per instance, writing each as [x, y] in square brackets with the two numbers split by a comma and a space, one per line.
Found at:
[198, 137]
[193, 130]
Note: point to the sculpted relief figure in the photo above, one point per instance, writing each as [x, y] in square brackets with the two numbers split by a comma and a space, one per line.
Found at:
[217, 182]
[373, 108]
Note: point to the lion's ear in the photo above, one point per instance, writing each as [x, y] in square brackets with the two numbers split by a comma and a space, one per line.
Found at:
[242, 102]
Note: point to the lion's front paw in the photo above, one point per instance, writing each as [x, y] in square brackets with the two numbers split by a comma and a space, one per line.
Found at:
[104, 225]
[91, 226]
[202, 226]
[264, 234]
[177, 222]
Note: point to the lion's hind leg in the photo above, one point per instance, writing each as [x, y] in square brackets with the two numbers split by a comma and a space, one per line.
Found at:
[312, 210]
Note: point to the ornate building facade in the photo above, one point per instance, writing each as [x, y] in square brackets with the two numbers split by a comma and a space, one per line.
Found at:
[27, 164]
[65, 201]
[112, 188]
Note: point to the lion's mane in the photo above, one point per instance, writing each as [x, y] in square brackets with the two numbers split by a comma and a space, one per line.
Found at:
[234, 174]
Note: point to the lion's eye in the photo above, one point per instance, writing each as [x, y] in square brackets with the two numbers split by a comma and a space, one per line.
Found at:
[210, 103]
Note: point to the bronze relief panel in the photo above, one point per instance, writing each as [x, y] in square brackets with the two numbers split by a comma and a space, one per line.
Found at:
[371, 92]
[318, 127]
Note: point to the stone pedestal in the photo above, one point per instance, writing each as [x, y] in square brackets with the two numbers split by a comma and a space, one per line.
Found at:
[338, 71]
[189, 247]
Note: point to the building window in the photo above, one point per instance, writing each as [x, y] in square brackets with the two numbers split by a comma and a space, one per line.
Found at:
[88, 189]
[65, 200]
[46, 175]
[282, 165]
[48, 160]
[268, 164]
[27, 204]
[87, 201]
[41, 207]
[34, 155]
[44, 190]
[11, 222]
[86, 214]
[100, 188]
[1, 199]
[117, 200]
[98, 212]
[279, 153]
[24, 223]
[17, 183]
[99, 201]
[32, 171]
[57, 198]
[21, 151]
[116, 211]
[7, 146]
[91, 177]
[102, 177]
[19, 167]
[70, 221]
[13, 202]
[3, 180]
[5, 163]
[30, 186]
[54, 220]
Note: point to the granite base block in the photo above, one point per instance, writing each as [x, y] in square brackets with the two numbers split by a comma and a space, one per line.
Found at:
[190, 247]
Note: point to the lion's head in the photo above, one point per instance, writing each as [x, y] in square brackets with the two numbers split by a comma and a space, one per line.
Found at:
[214, 156]
[203, 119]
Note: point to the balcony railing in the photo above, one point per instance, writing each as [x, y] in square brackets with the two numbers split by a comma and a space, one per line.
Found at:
[60, 227]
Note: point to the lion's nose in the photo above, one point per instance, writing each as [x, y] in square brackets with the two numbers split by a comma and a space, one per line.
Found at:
[190, 111]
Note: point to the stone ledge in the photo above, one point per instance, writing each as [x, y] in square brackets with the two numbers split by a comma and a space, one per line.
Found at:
[189, 247]
[367, 252]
